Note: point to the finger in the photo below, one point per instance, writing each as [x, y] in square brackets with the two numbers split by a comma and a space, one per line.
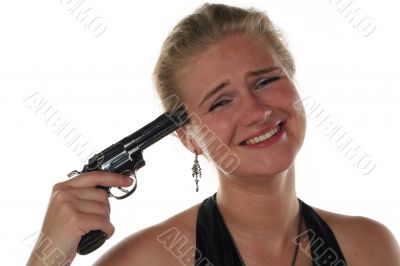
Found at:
[96, 222]
[63, 194]
[93, 194]
[90, 194]
[100, 178]
[93, 207]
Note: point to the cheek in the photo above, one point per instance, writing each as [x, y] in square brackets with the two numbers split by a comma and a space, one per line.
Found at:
[214, 136]
[287, 98]
[294, 102]
[295, 109]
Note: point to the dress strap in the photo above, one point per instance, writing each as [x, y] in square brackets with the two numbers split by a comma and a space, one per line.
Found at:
[215, 246]
[325, 249]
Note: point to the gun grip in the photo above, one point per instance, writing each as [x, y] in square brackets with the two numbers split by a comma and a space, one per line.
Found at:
[94, 239]
[91, 241]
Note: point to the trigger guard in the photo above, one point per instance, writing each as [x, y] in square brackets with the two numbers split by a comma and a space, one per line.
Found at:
[127, 192]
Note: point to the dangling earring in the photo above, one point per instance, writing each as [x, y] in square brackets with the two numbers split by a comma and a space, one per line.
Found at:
[196, 171]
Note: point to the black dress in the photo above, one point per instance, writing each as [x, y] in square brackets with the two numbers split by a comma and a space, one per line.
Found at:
[215, 247]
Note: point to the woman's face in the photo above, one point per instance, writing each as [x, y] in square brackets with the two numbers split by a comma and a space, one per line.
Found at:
[254, 95]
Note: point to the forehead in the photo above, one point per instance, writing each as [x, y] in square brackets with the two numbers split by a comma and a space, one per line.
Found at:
[231, 57]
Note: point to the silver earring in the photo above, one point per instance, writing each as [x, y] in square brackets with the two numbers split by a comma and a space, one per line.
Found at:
[196, 171]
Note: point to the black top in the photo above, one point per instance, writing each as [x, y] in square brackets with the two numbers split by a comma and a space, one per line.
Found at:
[215, 247]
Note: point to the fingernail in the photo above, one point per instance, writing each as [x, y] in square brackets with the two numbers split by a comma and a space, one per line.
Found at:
[128, 180]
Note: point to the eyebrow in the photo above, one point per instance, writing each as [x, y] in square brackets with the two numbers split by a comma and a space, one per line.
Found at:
[223, 84]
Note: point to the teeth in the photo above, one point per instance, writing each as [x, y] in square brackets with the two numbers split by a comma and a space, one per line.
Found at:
[264, 136]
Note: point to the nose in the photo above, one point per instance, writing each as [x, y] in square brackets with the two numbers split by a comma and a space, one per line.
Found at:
[253, 111]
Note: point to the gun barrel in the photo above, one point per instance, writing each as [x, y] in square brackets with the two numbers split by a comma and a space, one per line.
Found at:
[155, 130]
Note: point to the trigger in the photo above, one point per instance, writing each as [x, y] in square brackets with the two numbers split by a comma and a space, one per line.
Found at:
[131, 174]
[127, 192]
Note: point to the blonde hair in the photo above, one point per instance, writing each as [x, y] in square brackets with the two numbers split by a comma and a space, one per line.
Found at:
[207, 25]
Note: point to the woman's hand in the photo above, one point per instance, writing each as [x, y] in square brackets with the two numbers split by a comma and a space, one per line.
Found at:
[75, 208]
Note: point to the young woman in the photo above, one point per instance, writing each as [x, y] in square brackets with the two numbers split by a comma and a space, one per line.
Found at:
[232, 70]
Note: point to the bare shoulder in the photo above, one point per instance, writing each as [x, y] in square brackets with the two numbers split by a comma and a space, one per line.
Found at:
[160, 244]
[362, 240]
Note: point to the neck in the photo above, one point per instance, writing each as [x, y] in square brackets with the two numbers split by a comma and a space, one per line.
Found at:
[264, 209]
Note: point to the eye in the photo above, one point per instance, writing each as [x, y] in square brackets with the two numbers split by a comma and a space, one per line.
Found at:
[262, 83]
[266, 81]
[218, 104]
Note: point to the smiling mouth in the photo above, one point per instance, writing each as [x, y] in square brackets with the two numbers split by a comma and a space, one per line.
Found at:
[264, 136]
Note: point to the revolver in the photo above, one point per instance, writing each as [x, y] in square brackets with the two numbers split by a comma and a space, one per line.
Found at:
[125, 157]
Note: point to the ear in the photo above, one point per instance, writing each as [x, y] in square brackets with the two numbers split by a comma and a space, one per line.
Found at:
[188, 141]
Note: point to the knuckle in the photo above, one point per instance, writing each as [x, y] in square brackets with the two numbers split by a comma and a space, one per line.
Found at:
[111, 175]
[110, 230]
[60, 194]
[102, 206]
[58, 186]
[99, 173]
[104, 194]
[105, 223]
[69, 209]
[72, 217]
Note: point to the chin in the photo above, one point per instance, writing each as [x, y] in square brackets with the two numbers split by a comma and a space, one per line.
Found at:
[263, 166]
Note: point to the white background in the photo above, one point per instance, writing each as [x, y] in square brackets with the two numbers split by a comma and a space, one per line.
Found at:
[102, 86]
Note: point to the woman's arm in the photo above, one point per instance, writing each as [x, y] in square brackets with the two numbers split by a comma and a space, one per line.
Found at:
[378, 244]
[367, 242]
[76, 207]
[150, 246]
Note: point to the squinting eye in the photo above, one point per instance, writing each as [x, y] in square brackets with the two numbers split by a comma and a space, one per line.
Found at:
[265, 82]
[220, 103]
[261, 83]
